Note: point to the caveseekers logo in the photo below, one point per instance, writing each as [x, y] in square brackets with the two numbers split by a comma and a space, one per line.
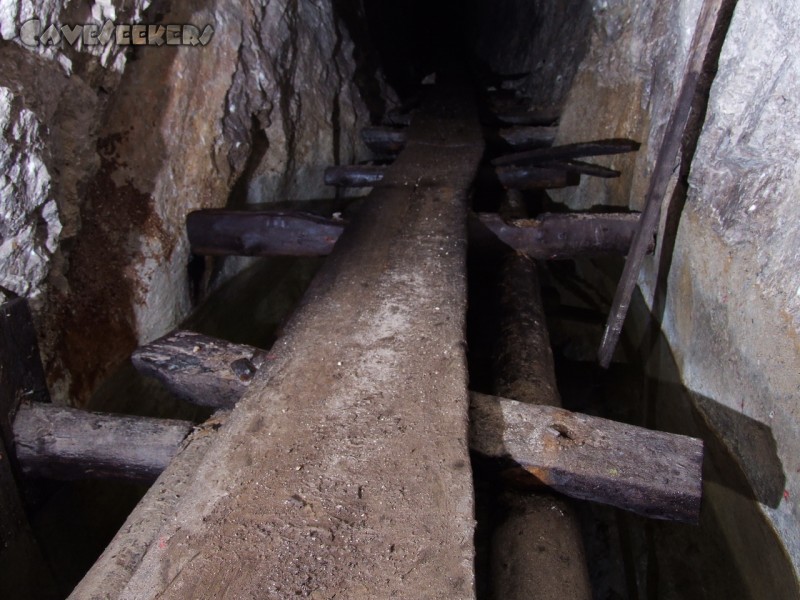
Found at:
[34, 33]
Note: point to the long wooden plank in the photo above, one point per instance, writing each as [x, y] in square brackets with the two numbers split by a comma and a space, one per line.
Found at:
[301, 493]
[225, 232]
[659, 180]
[62, 443]
[651, 473]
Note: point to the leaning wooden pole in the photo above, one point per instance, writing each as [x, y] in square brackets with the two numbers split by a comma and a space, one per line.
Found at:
[659, 181]
[537, 552]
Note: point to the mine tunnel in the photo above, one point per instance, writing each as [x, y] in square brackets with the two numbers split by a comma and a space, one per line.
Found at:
[367, 299]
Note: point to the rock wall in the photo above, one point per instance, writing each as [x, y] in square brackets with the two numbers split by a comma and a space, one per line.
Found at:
[542, 40]
[105, 149]
[732, 311]
[723, 286]
[49, 106]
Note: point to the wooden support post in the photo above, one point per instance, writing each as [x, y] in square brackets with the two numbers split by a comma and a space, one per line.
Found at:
[354, 175]
[261, 233]
[200, 369]
[21, 378]
[384, 140]
[659, 180]
[579, 456]
[651, 473]
[568, 151]
[562, 236]
[535, 178]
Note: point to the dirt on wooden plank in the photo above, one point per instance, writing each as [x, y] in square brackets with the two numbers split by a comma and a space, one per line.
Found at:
[344, 471]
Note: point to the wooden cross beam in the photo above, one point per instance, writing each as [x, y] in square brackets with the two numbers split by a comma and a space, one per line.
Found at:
[561, 236]
[261, 233]
[384, 140]
[568, 151]
[354, 175]
[651, 473]
[265, 233]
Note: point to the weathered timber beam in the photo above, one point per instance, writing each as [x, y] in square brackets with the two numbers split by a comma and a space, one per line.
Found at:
[521, 138]
[526, 117]
[600, 460]
[314, 492]
[64, 443]
[255, 233]
[651, 473]
[569, 151]
[562, 236]
[535, 178]
[583, 168]
[384, 140]
[200, 369]
[261, 233]
[354, 175]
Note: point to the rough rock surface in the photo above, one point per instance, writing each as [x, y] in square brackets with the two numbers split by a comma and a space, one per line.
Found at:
[13, 13]
[30, 224]
[724, 286]
[625, 88]
[115, 161]
[733, 306]
[47, 153]
[545, 41]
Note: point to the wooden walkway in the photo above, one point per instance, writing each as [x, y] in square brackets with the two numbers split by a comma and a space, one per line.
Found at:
[344, 471]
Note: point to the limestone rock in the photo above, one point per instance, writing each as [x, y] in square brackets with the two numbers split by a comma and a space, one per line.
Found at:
[57, 12]
[626, 87]
[271, 96]
[29, 223]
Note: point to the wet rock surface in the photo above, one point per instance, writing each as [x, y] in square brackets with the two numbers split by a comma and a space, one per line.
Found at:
[723, 282]
[106, 149]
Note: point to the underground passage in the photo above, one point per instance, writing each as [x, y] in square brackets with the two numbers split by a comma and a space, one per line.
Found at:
[362, 299]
